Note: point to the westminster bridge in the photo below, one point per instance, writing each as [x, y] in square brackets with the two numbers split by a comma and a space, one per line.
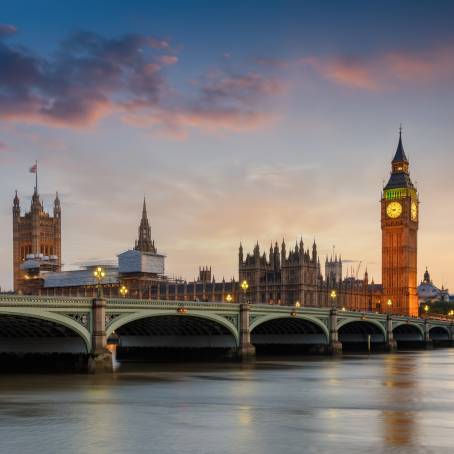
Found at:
[43, 325]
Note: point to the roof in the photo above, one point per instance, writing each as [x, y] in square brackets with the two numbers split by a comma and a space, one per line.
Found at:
[400, 153]
[399, 180]
[76, 278]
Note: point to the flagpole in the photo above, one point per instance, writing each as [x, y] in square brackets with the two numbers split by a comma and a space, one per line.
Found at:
[36, 177]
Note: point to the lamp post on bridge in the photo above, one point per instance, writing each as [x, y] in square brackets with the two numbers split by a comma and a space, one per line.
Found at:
[451, 317]
[294, 313]
[426, 310]
[244, 287]
[389, 303]
[333, 296]
[99, 274]
[123, 291]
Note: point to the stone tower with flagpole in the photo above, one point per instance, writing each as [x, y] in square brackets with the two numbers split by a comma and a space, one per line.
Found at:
[36, 235]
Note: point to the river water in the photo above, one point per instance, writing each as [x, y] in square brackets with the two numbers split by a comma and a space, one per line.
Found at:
[396, 403]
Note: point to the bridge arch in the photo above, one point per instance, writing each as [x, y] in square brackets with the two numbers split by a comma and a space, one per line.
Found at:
[408, 331]
[367, 321]
[195, 317]
[358, 330]
[439, 333]
[298, 331]
[53, 318]
[308, 318]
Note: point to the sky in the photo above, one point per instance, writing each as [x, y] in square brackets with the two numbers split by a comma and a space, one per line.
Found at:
[238, 121]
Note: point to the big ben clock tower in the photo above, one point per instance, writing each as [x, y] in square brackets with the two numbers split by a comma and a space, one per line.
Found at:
[399, 224]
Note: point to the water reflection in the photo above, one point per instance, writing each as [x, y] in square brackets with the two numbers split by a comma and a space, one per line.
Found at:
[401, 379]
[402, 403]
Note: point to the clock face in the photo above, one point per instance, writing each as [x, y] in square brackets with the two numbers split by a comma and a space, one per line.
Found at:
[414, 211]
[394, 210]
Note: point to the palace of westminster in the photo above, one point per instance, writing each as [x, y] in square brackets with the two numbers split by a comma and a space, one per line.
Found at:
[283, 276]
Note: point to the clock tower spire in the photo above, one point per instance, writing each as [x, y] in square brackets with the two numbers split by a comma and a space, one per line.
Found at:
[399, 223]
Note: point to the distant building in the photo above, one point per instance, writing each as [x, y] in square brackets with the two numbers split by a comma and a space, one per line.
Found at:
[140, 270]
[428, 292]
[281, 277]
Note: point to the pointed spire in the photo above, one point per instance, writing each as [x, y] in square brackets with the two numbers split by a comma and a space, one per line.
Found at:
[57, 207]
[144, 242]
[400, 153]
[16, 205]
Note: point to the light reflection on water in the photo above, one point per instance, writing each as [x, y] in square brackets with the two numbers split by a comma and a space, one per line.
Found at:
[358, 404]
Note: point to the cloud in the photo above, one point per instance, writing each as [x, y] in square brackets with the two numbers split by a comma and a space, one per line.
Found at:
[388, 71]
[376, 72]
[90, 77]
[348, 72]
[3, 147]
[6, 30]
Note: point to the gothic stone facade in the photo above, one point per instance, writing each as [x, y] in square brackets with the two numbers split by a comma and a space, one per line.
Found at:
[36, 232]
[281, 278]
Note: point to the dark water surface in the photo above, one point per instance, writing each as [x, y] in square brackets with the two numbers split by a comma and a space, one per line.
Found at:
[397, 403]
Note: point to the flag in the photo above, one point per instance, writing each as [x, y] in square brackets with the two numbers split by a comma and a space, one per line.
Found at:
[34, 168]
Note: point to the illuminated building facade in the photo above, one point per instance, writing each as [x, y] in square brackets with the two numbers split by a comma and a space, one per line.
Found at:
[279, 277]
[399, 223]
[36, 238]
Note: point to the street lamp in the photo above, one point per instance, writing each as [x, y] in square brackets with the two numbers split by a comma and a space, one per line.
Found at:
[294, 312]
[229, 298]
[426, 309]
[99, 274]
[123, 291]
[244, 287]
[333, 296]
[389, 303]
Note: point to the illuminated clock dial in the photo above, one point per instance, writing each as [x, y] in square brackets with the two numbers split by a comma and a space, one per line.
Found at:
[394, 210]
[414, 211]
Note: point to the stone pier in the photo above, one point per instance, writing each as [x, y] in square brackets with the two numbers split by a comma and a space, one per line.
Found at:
[391, 343]
[334, 347]
[246, 350]
[100, 360]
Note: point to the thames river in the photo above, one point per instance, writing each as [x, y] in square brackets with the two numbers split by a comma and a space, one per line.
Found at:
[395, 403]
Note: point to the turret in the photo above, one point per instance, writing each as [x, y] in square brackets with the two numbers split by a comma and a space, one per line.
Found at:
[240, 254]
[283, 252]
[57, 207]
[277, 262]
[314, 252]
[36, 206]
[16, 206]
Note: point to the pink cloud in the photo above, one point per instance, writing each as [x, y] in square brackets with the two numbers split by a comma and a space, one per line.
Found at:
[92, 77]
[386, 71]
[168, 59]
[351, 73]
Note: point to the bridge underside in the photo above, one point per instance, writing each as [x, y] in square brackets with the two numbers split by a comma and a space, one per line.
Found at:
[438, 334]
[288, 336]
[19, 334]
[175, 331]
[355, 335]
[408, 335]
